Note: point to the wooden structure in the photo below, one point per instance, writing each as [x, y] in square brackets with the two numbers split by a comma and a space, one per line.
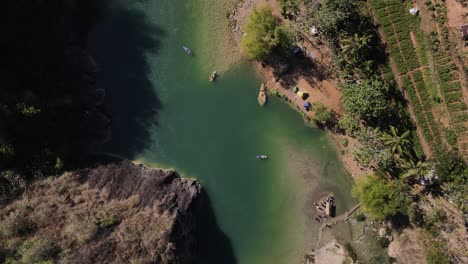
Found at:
[464, 31]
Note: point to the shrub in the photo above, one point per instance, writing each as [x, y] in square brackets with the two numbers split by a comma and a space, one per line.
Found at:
[322, 114]
[345, 142]
[435, 254]
[361, 217]
[38, 250]
[17, 223]
[82, 231]
[350, 250]
[384, 242]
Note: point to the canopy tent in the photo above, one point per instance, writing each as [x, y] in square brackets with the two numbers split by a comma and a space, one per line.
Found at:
[414, 10]
[296, 89]
[307, 105]
[313, 31]
[300, 94]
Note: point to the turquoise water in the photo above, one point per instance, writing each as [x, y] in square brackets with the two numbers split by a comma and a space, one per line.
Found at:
[167, 114]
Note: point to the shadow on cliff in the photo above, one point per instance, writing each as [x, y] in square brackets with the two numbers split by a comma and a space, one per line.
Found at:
[120, 44]
[214, 246]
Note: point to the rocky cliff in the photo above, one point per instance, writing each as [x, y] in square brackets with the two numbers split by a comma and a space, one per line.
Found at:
[112, 212]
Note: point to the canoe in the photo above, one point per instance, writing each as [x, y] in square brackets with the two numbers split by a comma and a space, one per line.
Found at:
[189, 52]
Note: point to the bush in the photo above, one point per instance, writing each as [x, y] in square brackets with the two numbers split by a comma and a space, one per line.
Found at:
[322, 114]
[39, 250]
[361, 217]
[350, 250]
[81, 231]
[17, 223]
[435, 254]
[384, 242]
[345, 142]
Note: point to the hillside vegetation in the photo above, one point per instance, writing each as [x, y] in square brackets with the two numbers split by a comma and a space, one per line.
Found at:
[112, 213]
[402, 93]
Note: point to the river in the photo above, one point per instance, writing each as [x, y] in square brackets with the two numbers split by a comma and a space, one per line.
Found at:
[167, 114]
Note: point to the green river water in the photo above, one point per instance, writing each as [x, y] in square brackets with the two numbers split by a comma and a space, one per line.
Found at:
[167, 114]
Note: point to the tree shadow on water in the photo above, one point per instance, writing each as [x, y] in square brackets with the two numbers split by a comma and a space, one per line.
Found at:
[214, 246]
[120, 45]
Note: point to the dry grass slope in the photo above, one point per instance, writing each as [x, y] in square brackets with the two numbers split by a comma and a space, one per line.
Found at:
[76, 219]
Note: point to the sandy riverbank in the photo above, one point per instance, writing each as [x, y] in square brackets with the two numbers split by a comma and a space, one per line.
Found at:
[315, 79]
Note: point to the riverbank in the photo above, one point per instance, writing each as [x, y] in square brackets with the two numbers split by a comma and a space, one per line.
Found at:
[312, 76]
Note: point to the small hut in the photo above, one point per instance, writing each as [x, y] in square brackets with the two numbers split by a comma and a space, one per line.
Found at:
[330, 206]
[464, 31]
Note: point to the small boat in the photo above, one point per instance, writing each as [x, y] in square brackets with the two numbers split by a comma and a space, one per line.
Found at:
[261, 157]
[213, 76]
[189, 52]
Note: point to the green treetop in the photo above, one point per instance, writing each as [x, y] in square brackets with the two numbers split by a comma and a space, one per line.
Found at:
[382, 198]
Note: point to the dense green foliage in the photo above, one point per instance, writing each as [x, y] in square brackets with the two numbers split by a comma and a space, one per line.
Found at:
[264, 34]
[323, 115]
[452, 171]
[367, 100]
[332, 16]
[260, 30]
[384, 242]
[289, 8]
[382, 198]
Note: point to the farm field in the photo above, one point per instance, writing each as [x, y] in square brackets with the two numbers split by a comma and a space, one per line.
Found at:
[427, 71]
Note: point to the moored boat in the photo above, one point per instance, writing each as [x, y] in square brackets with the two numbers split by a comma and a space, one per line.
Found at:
[213, 76]
[189, 52]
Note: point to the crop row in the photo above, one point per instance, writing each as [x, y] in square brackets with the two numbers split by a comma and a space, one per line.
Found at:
[424, 117]
[457, 106]
[452, 91]
[396, 29]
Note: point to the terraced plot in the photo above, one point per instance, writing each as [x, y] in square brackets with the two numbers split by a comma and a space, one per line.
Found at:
[424, 82]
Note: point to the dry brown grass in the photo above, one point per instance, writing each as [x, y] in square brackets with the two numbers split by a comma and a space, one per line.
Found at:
[84, 225]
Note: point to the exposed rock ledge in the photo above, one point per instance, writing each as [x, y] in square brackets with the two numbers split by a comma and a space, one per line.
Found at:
[113, 212]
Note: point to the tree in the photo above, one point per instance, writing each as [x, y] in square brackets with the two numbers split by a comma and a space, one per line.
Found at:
[353, 46]
[260, 33]
[323, 115]
[450, 167]
[396, 142]
[284, 36]
[332, 15]
[413, 169]
[367, 100]
[382, 198]
[289, 7]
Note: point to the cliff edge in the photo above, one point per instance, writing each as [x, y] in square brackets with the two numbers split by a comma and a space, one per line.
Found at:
[112, 212]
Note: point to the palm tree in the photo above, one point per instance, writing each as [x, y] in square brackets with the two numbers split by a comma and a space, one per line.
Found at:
[397, 143]
[413, 168]
[352, 46]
